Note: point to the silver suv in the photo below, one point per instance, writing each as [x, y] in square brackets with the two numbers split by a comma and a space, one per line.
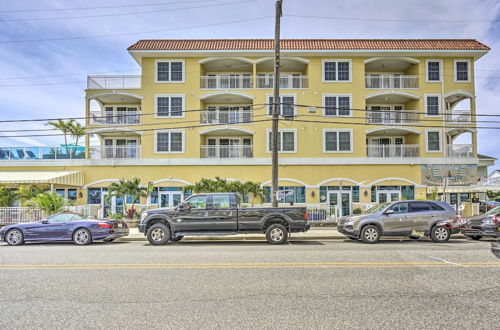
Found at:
[405, 218]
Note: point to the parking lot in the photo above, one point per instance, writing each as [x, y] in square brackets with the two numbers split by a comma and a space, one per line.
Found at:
[250, 284]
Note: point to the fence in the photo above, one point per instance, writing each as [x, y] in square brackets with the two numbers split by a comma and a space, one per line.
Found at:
[20, 214]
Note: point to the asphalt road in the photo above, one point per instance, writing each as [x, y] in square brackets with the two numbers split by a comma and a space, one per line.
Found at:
[248, 284]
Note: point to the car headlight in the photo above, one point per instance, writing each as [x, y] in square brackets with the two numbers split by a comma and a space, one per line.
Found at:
[350, 221]
[144, 215]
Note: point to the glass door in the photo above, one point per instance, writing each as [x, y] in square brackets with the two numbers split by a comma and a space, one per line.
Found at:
[170, 198]
[108, 148]
[340, 203]
[384, 196]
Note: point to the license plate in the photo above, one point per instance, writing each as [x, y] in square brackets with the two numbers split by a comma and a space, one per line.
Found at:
[120, 225]
[417, 233]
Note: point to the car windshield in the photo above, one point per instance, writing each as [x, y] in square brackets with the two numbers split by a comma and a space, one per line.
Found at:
[493, 211]
[376, 208]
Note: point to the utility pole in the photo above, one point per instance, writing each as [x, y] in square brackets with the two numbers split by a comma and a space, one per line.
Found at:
[276, 104]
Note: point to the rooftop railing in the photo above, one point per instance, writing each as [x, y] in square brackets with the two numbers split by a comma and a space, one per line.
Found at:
[113, 81]
[115, 152]
[38, 153]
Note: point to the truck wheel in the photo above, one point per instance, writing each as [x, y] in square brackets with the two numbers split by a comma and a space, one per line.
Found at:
[158, 234]
[370, 234]
[276, 234]
[440, 234]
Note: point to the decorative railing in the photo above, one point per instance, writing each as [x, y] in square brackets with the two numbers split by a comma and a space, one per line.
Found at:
[393, 150]
[392, 117]
[226, 81]
[37, 153]
[111, 118]
[226, 116]
[459, 150]
[114, 82]
[20, 214]
[221, 151]
[114, 152]
[458, 116]
[287, 81]
[390, 81]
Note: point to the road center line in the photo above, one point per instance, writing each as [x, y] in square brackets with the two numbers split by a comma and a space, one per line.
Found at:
[448, 262]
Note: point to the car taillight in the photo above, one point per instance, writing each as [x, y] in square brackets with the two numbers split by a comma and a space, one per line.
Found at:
[495, 218]
[306, 215]
[105, 225]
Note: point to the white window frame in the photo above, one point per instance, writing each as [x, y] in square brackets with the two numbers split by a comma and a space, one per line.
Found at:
[170, 104]
[169, 131]
[268, 95]
[293, 130]
[455, 71]
[427, 131]
[338, 130]
[170, 71]
[440, 107]
[427, 71]
[337, 95]
[336, 70]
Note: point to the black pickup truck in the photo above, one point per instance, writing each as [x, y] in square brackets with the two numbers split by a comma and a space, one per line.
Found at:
[219, 214]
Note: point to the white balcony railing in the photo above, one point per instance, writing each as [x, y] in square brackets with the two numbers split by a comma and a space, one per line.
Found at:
[117, 117]
[115, 152]
[114, 82]
[37, 153]
[392, 117]
[390, 81]
[287, 81]
[226, 81]
[458, 116]
[20, 214]
[231, 115]
[459, 150]
[221, 151]
[393, 150]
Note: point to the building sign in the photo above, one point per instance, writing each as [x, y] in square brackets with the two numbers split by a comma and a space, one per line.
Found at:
[458, 175]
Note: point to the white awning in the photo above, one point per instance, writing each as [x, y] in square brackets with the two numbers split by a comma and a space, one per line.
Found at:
[68, 178]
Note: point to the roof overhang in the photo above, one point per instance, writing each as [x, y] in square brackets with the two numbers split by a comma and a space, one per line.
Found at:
[391, 130]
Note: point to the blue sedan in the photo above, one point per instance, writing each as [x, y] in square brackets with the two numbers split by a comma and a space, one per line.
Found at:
[64, 227]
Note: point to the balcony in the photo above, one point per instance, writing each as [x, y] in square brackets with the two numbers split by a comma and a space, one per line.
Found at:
[390, 81]
[39, 153]
[393, 150]
[458, 116]
[114, 82]
[116, 117]
[226, 151]
[459, 151]
[392, 117]
[226, 115]
[287, 81]
[226, 81]
[115, 152]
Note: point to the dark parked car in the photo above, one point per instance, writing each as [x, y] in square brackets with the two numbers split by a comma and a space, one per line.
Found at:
[218, 214]
[405, 218]
[484, 225]
[64, 227]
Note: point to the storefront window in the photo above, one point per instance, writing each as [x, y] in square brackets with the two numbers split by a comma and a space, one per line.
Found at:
[287, 194]
[464, 197]
[72, 194]
[94, 196]
[61, 192]
[129, 200]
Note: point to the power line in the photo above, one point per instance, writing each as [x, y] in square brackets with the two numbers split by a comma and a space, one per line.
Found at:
[100, 7]
[122, 14]
[395, 19]
[136, 33]
[66, 74]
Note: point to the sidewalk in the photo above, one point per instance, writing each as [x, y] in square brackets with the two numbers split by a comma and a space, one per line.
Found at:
[315, 233]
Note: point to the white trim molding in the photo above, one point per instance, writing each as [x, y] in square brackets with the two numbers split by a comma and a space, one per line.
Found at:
[114, 92]
[169, 81]
[334, 60]
[212, 59]
[385, 128]
[227, 127]
[337, 179]
[187, 183]
[392, 92]
[170, 96]
[281, 130]
[469, 78]
[459, 92]
[289, 180]
[440, 108]
[338, 130]
[226, 92]
[88, 185]
[182, 131]
[429, 130]
[427, 71]
[114, 129]
[393, 179]
[406, 59]
[293, 58]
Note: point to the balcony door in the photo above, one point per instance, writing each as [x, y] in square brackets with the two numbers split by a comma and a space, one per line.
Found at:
[229, 147]
[120, 148]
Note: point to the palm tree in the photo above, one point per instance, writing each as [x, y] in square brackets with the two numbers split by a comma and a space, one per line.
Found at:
[255, 189]
[8, 197]
[26, 193]
[124, 187]
[64, 127]
[49, 202]
[76, 130]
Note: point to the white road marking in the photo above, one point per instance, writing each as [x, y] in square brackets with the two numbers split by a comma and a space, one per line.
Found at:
[448, 262]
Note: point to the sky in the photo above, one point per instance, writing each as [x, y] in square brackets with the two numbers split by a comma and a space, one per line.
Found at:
[42, 78]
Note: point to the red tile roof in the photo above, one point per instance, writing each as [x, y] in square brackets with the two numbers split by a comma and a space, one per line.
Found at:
[310, 44]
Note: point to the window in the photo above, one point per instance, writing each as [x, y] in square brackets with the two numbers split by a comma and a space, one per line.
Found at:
[198, 202]
[464, 197]
[436, 207]
[63, 217]
[433, 71]
[220, 202]
[432, 105]
[337, 141]
[336, 70]
[129, 200]
[169, 106]
[72, 194]
[287, 108]
[287, 194]
[400, 207]
[462, 71]
[420, 206]
[433, 141]
[94, 196]
[337, 105]
[286, 141]
[169, 71]
[61, 192]
[169, 141]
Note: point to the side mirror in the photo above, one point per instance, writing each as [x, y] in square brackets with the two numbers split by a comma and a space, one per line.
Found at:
[388, 212]
[45, 221]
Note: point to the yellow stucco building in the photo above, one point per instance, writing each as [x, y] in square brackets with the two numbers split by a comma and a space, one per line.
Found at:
[363, 121]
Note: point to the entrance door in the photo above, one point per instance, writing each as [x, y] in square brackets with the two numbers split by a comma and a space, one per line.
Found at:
[340, 201]
[170, 198]
[113, 206]
[384, 196]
